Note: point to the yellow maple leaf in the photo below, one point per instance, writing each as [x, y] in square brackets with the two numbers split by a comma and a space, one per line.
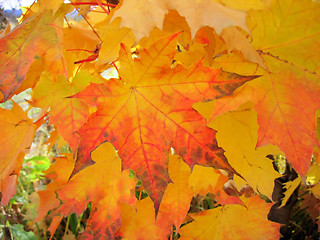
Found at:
[150, 14]
[112, 35]
[232, 221]
[139, 224]
[203, 179]
[49, 4]
[290, 187]
[245, 5]
[177, 196]
[237, 135]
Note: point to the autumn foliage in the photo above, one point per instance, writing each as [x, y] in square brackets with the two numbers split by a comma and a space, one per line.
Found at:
[199, 97]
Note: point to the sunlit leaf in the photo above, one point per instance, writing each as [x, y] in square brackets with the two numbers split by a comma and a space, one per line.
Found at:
[198, 14]
[287, 94]
[240, 149]
[18, 132]
[105, 186]
[149, 109]
[176, 200]
[31, 40]
[232, 222]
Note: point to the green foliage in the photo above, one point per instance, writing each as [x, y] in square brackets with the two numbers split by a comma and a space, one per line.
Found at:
[20, 234]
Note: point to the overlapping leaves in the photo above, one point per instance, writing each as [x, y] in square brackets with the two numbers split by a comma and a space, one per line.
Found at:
[148, 112]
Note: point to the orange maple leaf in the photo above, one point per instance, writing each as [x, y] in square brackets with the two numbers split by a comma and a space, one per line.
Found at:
[18, 51]
[18, 132]
[150, 110]
[105, 186]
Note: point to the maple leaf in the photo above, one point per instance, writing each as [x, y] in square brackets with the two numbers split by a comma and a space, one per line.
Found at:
[48, 4]
[291, 33]
[176, 200]
[17, 51]
[8, 187]
[54, 224]
[240, 150]
[290, 88]
[59, 172]
[68, 114]
[76, 50]
[105, 186]
[277, 106]
[150, 14]
[209, 45]
[140, 223]
[18, 132]
[318, 127]
[235, 40]
[203, 180]
[150, 110]
[223, 222]
[313, 177]
[290, 187]
[112, 35]
[199, 14]
[245, 5]
[206, 45]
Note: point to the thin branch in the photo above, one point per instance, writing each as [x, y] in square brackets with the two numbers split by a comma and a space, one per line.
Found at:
[94, 3]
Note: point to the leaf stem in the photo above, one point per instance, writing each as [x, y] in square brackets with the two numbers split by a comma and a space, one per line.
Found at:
[26, 13]
[84, 18]
[39, 233]
[79, 49]
[115, 66]
[140, 194]
[94, 3]
[78, 223]
[103, 8]
[67, 226]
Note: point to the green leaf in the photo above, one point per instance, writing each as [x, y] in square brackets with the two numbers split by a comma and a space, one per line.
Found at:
[21, 234]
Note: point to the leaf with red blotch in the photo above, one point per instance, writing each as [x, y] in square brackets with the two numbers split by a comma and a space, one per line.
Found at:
[277, 100]
[286, 97]
[233, 221]
[150, 110]
[105, 186]
[33, 39]
[17, 134]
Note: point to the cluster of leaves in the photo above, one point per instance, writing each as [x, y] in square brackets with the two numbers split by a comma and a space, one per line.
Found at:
[202, 95]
